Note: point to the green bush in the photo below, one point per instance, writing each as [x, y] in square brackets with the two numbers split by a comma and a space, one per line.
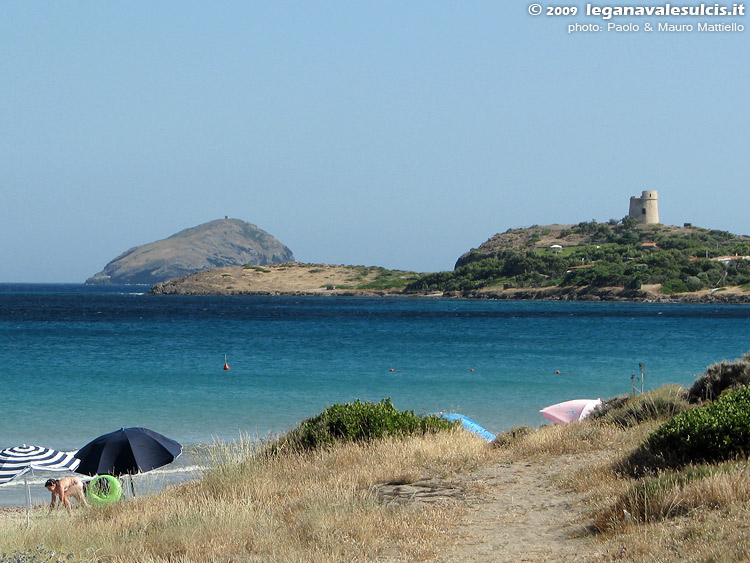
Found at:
[674, 286]
[720, 377]
[359, 421]
[693, 283]
[717, 432]
[256, 268]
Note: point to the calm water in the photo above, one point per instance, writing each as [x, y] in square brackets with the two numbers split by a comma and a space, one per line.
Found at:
[77, 362]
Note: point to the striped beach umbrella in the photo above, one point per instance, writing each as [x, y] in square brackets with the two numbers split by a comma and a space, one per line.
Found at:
[19, 460]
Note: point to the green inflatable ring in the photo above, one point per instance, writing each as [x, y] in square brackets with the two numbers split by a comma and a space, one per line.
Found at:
[103, 489]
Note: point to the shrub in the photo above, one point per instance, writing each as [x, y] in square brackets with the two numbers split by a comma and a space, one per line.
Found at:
[629, 410]
[720, 377]
[256, 268]
[717, 432]
[510, 436]
[674, 286]
[634, 283]
[693, 283]
[358, 422]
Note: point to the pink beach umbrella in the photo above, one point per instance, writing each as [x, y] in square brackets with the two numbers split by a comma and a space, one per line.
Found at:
[570, 411]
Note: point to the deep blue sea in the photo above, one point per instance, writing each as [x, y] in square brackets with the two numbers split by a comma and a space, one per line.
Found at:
[79, 361]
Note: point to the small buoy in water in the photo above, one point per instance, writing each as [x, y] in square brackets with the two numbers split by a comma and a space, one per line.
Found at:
[226, 365]
[472, 369]
[558, 372]
[393, 369]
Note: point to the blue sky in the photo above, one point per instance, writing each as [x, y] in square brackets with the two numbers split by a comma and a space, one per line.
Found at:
[398, 134]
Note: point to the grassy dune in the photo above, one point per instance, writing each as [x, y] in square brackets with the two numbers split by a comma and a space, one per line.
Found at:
[324, 504]
[316, 506]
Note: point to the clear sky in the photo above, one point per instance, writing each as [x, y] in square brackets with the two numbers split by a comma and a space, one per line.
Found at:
[398, 134]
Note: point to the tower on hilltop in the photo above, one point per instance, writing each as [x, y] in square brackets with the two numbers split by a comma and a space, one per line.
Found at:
[645, 209]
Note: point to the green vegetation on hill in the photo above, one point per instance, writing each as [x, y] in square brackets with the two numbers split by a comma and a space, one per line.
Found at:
[378, 278]
[613, 254]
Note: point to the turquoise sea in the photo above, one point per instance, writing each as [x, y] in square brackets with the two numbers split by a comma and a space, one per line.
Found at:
[78, 361]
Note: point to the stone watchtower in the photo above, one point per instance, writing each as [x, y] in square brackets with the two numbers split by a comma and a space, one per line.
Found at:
[645, 209]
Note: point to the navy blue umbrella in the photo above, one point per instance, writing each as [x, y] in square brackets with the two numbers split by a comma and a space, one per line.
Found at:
[126, 452]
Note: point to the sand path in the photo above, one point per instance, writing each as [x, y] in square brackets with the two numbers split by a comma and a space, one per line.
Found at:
[523, 514]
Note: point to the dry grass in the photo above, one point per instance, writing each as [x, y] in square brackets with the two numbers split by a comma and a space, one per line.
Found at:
[659, 404]
[292, 507]
[672, 494]
[559, 440]
[700, 514]
[321, 506]
[704, 535]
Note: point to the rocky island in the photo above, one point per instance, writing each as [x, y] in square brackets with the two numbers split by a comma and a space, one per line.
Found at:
[220, 243]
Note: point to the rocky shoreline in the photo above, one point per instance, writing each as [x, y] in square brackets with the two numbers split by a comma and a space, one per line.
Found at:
[727, 296]
[525, 295]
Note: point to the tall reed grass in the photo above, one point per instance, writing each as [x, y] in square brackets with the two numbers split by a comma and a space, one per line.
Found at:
[677, 493]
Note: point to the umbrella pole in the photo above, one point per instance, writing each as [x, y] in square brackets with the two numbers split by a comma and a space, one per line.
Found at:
[132, 487]
[28, 500]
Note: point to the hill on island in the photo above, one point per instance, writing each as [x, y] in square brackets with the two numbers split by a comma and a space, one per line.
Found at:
[220, 243]
[574, 259]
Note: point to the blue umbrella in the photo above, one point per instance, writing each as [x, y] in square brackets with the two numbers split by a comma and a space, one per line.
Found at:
[126, 452]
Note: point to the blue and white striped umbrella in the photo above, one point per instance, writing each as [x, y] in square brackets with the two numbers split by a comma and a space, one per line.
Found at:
[19, 460]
